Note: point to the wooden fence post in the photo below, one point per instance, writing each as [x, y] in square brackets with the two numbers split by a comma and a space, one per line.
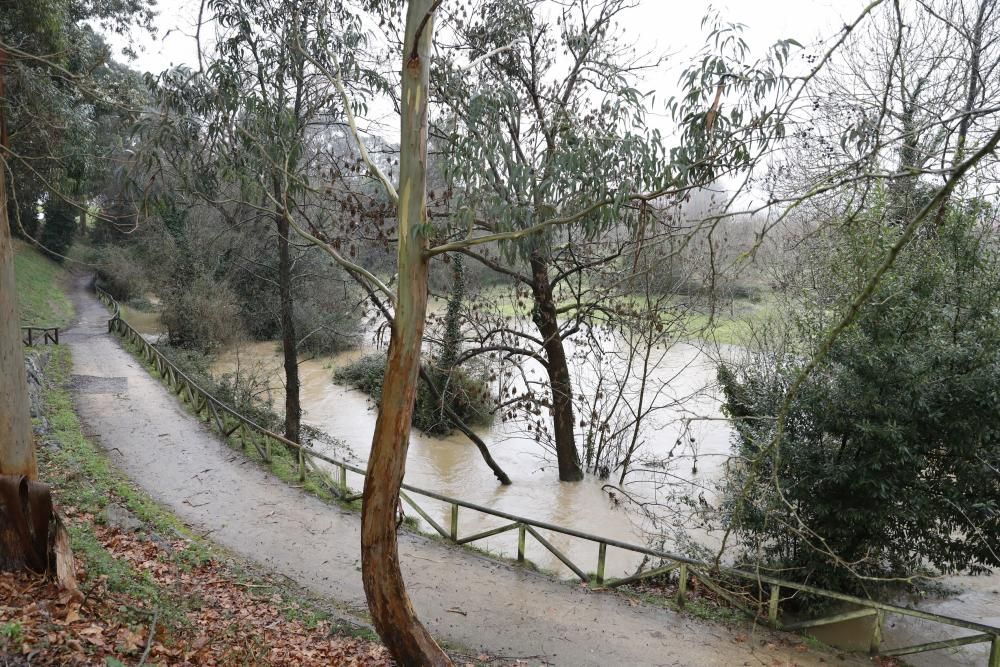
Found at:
[454, 522]
[343, 479]
[520, 543]
[876, 633]
[772, 608]
[602, 553]
[995, 652]
[682, 583]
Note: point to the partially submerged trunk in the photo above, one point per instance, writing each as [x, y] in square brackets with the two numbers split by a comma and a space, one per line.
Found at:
[545, 319]
[293, 408]
[392, 613]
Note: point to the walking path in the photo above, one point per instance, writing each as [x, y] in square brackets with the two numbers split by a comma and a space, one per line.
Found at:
[508, 611]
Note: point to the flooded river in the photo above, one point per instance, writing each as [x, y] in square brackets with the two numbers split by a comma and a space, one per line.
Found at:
[452, 466]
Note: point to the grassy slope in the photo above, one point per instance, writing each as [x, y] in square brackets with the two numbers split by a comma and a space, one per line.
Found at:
[40, 299]
[194, 590]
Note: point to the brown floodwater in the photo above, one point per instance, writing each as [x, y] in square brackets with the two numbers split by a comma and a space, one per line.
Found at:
[452, 466]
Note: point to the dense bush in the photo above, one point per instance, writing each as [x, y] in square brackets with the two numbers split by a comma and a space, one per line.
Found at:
[60, 227]
[201, 314]
[467, 394]
[889, 457]
[120, 274]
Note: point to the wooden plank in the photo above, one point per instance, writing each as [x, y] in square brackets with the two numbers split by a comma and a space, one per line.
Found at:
[721, 592]
[639, 576]
[434, 524]
[520, 542]
[829, 620]
[934, 646]
[558, 554]
[487, 533]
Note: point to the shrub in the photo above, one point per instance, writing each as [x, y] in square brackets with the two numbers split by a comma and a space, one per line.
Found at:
[200, 315]
[60, 227]
[889, 457]
[119, 273]
[467, 394]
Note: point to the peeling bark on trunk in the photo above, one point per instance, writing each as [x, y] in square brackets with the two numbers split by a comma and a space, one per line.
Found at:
[293, 408]
[545, 319]
[392, 613]
[17, 446]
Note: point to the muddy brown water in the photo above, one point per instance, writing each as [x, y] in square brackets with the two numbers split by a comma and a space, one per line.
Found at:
[452, 466]
[464, 599]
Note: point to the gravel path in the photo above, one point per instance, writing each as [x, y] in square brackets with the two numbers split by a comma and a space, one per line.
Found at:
[508, 611]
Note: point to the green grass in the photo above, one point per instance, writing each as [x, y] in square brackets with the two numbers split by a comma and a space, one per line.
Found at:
[729, 324]
[83, 478]
[40, 298]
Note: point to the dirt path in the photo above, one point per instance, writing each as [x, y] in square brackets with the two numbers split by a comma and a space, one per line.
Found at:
[508, 611]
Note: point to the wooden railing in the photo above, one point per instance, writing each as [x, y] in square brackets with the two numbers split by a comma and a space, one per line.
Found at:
[42, 335]
[766, 604]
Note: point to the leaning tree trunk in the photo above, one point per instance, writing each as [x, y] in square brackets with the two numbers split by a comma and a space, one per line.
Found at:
[293, 408]
[392, 613]
[545, 319]
[17, 447]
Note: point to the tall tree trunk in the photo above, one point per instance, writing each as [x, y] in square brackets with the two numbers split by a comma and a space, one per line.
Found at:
[392, 613]
[17, 447]
[293, 409]
[563, 423]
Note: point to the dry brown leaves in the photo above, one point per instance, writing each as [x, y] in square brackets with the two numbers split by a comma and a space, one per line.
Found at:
[225, 622]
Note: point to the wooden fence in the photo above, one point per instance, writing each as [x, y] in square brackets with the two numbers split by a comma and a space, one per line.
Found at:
[41, 335]
[764, 605]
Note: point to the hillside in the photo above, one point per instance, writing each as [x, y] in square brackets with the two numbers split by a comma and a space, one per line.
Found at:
[40, 299]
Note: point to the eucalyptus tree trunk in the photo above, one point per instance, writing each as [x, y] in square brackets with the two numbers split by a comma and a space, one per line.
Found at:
[293, 409]
[557, 368]
[17, 447]
[392, 613]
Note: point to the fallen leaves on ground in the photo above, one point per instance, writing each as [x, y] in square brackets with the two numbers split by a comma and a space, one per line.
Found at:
[220, 620]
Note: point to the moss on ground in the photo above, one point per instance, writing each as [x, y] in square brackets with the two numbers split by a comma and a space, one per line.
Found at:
[40, 299]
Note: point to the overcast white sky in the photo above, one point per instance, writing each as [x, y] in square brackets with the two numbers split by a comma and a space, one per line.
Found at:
[657, 26]
[670, 26]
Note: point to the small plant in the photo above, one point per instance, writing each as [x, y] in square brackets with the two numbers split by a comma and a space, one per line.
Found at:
[466, 393]
[10, 633]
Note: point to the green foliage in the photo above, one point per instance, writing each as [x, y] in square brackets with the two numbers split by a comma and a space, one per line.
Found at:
[466, 393]
[40, 300]
[888, 463]
[200, 314]
[60, 227]
[451, 344]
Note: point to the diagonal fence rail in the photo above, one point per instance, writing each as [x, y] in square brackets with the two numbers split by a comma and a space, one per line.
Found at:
[230, 424]
[40, 335]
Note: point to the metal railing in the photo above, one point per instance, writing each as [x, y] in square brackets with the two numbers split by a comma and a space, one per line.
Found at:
[231, 424]
[29, 335]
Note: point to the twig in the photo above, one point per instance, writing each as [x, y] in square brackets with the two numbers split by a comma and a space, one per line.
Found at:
[149, 639]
